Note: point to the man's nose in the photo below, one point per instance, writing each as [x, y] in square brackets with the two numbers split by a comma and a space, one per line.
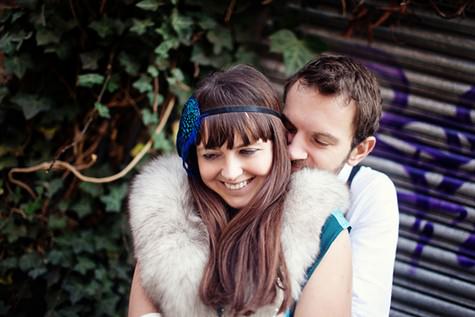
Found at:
[297, 149]
[232, 169]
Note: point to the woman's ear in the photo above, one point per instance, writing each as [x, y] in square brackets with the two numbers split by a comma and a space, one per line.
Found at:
[362, 150]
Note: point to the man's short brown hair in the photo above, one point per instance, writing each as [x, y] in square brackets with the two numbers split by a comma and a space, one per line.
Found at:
[341, 75]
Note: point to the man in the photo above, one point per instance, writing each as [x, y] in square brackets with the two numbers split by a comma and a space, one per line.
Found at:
[332, 110]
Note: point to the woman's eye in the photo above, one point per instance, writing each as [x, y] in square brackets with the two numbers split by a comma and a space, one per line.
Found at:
[210, 156]
[248, 151]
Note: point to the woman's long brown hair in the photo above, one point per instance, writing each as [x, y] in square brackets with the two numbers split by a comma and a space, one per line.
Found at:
[246, 262]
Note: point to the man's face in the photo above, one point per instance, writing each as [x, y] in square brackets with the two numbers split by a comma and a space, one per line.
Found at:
[320, 129]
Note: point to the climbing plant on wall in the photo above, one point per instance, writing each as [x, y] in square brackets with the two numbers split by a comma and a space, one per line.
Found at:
[84, 87]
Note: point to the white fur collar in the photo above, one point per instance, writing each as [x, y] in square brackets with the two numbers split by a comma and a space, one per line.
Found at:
[171, 242]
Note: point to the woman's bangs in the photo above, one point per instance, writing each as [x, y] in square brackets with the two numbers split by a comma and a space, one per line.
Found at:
[219, 129]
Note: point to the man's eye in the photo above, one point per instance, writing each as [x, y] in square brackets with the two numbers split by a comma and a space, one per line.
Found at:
[320, 142]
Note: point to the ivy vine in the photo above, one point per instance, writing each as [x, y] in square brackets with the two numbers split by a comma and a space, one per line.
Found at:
[85, 86]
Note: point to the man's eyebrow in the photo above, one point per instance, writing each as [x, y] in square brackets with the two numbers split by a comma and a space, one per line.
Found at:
[328, 137]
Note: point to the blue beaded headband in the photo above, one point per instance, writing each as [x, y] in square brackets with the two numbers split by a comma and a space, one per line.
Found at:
[190, 124]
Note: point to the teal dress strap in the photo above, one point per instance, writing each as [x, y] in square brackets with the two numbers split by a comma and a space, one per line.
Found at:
[333, 226]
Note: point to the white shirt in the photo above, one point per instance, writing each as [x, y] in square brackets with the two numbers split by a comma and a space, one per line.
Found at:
[374, 218]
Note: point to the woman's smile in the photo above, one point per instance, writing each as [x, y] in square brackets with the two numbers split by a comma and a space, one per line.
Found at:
[239, 185]
[235, 174]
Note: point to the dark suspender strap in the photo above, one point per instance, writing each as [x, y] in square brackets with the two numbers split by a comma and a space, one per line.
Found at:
[354, 170]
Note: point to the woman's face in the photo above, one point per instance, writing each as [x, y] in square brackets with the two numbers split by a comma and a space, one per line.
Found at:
[236, 174]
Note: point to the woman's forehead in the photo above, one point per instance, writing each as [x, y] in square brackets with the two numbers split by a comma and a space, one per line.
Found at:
[236, 143]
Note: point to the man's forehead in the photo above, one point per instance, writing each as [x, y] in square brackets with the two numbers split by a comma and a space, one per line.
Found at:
[314, 127]
[301, 87]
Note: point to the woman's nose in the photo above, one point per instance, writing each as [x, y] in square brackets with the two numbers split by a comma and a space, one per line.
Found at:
[232, 169]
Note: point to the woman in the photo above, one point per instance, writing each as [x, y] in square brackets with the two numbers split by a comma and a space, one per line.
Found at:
[237, 235]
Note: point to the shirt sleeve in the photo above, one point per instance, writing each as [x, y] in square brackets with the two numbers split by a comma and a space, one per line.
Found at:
[375, 224]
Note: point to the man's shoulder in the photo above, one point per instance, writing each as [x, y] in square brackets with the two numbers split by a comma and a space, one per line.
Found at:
[373, 197]
[368, 177]
[366, 170]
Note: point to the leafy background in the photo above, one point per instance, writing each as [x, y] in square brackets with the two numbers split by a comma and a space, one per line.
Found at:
[86, 82]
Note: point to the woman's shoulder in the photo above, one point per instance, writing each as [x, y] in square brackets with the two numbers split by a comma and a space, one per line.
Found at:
[159, 175]
[160, 169]
[160, 187]
[170, 240]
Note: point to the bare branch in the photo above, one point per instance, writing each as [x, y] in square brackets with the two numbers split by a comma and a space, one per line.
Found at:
[60, 165]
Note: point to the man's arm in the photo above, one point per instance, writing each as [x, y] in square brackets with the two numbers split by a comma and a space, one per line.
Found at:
[374, 217]
[328, 292]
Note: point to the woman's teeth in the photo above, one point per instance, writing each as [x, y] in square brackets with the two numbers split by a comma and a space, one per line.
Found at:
[237, 185]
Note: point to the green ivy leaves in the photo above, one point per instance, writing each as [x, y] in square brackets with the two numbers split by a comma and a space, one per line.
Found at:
[295, 52]
[183, 26]
[149, 5]
[102, 110]
[141, 26]
[90, 80]
[108, 27]
[31, 104]
[113, 200]
[45, 36]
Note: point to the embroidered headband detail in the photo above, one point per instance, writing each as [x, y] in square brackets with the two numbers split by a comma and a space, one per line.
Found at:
[190, 124]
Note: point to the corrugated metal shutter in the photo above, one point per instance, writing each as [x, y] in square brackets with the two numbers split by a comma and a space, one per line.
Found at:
[426, 144]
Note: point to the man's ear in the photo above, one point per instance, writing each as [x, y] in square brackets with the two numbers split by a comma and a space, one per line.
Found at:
[362, 150]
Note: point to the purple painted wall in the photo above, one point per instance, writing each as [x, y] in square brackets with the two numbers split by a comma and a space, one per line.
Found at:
[426, 144]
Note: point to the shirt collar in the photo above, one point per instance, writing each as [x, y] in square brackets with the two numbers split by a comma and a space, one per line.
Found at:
[345, 172]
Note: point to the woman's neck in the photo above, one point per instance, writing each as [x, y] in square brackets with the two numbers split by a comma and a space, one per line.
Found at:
[231, 212]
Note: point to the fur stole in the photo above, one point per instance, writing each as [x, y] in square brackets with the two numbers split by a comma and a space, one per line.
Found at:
[171, 242]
